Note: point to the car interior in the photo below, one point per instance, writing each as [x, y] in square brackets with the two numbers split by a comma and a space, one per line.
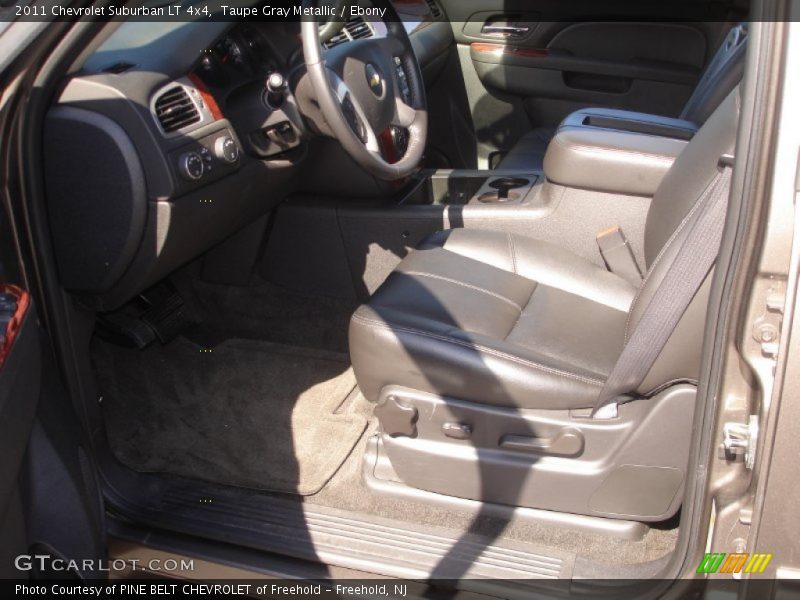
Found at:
[370, 293]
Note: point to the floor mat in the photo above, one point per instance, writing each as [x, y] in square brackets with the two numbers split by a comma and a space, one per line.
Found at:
[264, 311]
[247, 413]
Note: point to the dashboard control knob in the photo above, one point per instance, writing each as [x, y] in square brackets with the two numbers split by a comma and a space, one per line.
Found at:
[191, 166]
[226, 150]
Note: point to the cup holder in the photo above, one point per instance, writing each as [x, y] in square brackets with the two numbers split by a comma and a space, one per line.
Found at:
[505, 187]
[495, 197]
[509, 183]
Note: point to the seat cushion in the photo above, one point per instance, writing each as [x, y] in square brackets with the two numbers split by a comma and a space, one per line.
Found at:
[528, 153]
[492, 318]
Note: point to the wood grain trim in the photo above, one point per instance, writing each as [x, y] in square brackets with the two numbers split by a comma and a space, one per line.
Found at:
[506, 50]
[388, 149]
[208, 99]
[15, 324]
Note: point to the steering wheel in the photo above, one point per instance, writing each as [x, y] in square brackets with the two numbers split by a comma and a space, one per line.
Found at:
[360, 95]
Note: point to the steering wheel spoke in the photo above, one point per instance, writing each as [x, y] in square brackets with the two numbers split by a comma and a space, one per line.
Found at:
[361, 95]
[360, 125]
[354, 114]
[404, 115]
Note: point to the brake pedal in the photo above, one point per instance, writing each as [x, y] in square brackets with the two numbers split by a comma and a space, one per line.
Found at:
[165, 314]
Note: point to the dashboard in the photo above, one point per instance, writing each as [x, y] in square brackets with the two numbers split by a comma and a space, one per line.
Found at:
[238, 56]
[192, 132]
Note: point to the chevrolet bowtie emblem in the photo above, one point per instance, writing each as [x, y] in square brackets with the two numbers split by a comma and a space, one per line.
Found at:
[374, 80]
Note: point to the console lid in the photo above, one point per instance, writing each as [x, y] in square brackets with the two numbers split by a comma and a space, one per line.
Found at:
[615, 150]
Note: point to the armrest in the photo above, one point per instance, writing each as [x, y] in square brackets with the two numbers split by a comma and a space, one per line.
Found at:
[633, 122]
[615, 151]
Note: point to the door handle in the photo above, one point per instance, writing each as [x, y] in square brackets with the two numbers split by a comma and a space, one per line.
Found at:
[504, 30]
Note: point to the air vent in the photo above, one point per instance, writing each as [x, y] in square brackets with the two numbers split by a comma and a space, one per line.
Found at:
[436, 12]
[175, 110]
[358, 29]
[355, 29]
[339, 38]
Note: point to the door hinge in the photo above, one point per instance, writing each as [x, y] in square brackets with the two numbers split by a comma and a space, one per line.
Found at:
[739, 441]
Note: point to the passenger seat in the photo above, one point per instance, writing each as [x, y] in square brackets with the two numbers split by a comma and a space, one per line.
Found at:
[722, 75]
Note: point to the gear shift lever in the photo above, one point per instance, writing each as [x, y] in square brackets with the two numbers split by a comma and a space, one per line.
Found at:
[276, 89]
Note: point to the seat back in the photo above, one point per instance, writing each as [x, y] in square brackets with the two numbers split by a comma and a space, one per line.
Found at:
[665, 231]
[723, 73]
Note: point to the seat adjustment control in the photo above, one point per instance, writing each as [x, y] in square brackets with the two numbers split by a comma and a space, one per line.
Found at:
[397, 417]
[457, 431]
[567, 442]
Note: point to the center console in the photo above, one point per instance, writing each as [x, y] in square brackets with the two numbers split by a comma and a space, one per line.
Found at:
[615, 151]
[602, 150]
[374, 235]
[600, 172]
[474, 188]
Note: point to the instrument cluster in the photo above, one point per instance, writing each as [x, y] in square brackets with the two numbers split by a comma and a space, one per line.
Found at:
[240, 56]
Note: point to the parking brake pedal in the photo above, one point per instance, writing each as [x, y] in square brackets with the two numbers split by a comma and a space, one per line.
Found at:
[157, 314]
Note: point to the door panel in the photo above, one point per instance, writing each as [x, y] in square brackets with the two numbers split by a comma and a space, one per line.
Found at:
[19, 393]
[42, 454]
[525, 70]
[620, 65]
[39, 513]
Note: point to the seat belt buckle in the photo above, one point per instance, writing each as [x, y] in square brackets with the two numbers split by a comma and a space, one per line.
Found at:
[726, 160]
[607, 411]
[618, 255]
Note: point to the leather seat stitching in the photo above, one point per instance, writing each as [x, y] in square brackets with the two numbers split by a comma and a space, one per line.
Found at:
[463, 284]
[513, 253]
[610, 150]
[588, 295]
[522, 312]
[492, 352]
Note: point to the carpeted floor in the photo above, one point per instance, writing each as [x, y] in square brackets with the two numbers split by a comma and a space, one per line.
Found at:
[225, 416]
[264, 311]
[248, 413]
